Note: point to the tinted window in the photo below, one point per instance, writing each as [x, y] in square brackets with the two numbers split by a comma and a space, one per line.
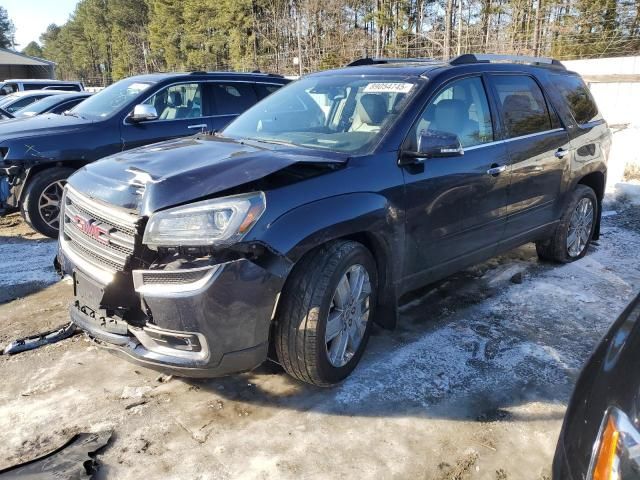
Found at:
[233, 98]
[23, 102]
[523, 106]
[34, 86]
[265, 90]
[578, 98]
[461, 109]
[66, 106]
[178, 101]
[66, 88]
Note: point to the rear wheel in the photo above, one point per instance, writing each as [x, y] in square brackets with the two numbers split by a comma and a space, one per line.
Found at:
[573, 235]
[325, 314]
[42, 199]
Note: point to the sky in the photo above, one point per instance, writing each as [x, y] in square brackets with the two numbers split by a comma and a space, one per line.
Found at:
[31, 17]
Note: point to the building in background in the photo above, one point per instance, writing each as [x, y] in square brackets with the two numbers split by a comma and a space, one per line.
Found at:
[17, 65]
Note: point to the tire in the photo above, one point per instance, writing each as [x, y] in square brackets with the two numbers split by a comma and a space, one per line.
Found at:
[557, 248]
[310, 295]
[39, 216]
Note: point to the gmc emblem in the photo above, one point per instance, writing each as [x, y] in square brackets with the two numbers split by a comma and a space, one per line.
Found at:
[89, 227]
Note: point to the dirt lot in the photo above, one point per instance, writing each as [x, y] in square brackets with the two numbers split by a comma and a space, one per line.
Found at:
[473, 384]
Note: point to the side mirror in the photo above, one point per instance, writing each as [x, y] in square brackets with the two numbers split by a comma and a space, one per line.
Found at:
[434, 144]
[143, 113]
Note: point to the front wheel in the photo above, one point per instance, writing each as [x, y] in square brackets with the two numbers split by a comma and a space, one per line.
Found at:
[325, 315]
[42, 199]
[573, 235]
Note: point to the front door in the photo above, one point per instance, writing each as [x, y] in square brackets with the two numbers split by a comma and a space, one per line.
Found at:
[455, 206]
[539, 153]
[181, 112]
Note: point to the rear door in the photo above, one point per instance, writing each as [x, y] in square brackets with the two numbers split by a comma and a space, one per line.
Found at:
[539, 154]
[455, 206]
[182, 111]
[229, 99]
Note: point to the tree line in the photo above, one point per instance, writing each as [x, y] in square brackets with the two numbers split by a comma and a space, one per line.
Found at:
[105, 40]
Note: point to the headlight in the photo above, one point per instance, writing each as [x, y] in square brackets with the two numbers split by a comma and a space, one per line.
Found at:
[616, 452]
[220, 221]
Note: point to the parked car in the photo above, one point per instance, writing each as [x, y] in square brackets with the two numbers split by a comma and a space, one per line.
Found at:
[20, 85]
[600, 437]
[308, 216]
[57, 104]
[41, 152]
[19, 100]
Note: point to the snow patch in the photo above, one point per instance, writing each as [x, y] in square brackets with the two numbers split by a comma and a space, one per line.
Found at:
[26, 262]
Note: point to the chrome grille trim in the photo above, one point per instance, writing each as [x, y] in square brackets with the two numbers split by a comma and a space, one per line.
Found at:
[99, 234]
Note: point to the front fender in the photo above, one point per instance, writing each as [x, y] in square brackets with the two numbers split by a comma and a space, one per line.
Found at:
[366, 217]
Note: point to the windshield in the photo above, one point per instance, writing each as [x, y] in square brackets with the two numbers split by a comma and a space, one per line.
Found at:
[341, 113]
[40, 106]
[108, 101]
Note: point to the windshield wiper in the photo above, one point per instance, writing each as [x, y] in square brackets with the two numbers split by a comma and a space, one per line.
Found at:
[274, 142]
[69, 113]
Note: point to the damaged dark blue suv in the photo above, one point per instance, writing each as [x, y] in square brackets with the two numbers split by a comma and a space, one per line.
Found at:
[309, 216]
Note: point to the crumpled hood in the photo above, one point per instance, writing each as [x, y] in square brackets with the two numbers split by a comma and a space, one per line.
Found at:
[174, 172]
[40, 125]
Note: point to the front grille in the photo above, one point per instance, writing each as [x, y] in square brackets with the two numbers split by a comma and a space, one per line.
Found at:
[101, 235]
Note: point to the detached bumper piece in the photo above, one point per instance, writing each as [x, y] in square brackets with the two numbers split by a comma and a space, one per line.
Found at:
[75, 459]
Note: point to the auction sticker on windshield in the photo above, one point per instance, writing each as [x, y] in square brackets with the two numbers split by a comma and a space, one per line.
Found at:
[395, 87]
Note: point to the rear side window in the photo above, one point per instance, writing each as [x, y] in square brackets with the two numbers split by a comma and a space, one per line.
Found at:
[578, 98]
[66, 106]
[264, 90]
[524, 109]
[233, 98]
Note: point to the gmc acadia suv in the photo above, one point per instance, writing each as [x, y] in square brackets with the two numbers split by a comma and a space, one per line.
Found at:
[288, 233]
[38, 154]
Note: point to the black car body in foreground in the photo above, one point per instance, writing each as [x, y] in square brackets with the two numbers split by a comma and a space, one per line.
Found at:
[600, 437]
[38, 154]
[310, 215]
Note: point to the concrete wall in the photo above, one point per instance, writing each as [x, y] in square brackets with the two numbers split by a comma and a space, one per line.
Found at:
[615, 84]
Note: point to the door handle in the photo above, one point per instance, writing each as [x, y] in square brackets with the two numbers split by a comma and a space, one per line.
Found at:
[200, 125]
[496, 170]
[561, 152]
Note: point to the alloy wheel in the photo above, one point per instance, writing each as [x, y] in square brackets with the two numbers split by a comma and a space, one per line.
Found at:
[348, 316]
[580, 227]
[49, 203]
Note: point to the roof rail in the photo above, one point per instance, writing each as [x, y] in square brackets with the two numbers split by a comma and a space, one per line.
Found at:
[490, 57]
[382, 61]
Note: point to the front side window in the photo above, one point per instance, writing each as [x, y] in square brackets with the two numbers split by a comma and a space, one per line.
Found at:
[178, 101]
[522, 103]
[110, 100]
[233, 98]
[343, 113]
[578, 98]
[460, 109]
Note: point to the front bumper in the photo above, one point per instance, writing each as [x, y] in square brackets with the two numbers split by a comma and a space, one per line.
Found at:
[216, 325]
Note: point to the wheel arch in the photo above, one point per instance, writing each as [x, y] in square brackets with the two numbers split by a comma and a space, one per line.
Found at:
[596, 180]
[41, 167]
[369, 220]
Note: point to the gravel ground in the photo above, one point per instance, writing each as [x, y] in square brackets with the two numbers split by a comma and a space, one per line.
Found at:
[473, 383]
